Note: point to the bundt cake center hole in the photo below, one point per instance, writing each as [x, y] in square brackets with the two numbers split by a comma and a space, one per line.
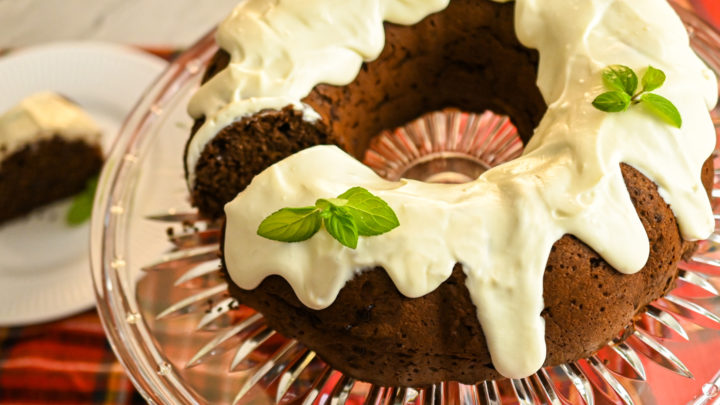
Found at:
[445, 167]
[449, 146]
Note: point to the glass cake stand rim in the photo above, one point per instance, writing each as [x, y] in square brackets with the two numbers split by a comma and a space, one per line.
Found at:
[128, 336]
[143, 363]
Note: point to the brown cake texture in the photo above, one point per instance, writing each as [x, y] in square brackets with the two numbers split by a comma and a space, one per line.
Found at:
[45, 171]
[467, 57]
[236, 153]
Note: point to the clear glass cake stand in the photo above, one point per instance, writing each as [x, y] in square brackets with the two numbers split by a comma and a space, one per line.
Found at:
[181, 339]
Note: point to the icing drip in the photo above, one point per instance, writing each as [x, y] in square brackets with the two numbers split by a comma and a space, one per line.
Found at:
[568, 180]
[42, 116]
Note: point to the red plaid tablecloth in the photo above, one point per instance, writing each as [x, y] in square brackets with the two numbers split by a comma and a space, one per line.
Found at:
[63, 362]
[707, 9]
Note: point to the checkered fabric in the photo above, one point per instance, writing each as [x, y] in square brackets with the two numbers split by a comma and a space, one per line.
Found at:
[708, 10]
[64, 362]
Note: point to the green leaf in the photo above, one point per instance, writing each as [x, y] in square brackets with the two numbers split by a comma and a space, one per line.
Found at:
[340, 225]
[325, 203]
[620, 78]
[356, 212]
[612, 101]
[663, 108]
[81, 207]
[371, 214]
[291, 224]
[652, 79]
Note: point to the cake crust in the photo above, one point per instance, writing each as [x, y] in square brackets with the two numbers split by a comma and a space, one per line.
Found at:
[236, 154]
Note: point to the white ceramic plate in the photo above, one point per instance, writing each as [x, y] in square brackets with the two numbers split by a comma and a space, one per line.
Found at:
[44, 266]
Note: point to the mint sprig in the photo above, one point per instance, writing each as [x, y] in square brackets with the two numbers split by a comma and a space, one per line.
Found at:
[354, 213]
[623, 82]
[81, 207]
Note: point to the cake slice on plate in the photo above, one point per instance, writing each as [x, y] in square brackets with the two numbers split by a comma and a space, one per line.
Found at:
[49, 149]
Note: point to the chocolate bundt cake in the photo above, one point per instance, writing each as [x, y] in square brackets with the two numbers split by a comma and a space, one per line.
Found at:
[49, 149]
[539, 261]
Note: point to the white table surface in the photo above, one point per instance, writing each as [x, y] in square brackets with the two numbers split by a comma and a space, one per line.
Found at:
[151, 23]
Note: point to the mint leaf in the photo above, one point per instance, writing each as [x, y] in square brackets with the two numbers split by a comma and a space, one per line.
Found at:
[291, 224]
[340, 225]
[81, 207]
[372, 215]
[612, 101]
[652, 79]
[355, 212]
[662, 108]
[623, 83]
[325, 203]
[620, 78]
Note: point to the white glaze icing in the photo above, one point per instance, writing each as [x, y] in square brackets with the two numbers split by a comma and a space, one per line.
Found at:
[501, 226]
[42, 116]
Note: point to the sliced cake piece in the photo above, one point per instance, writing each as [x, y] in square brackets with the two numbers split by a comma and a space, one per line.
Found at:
[49, 149]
